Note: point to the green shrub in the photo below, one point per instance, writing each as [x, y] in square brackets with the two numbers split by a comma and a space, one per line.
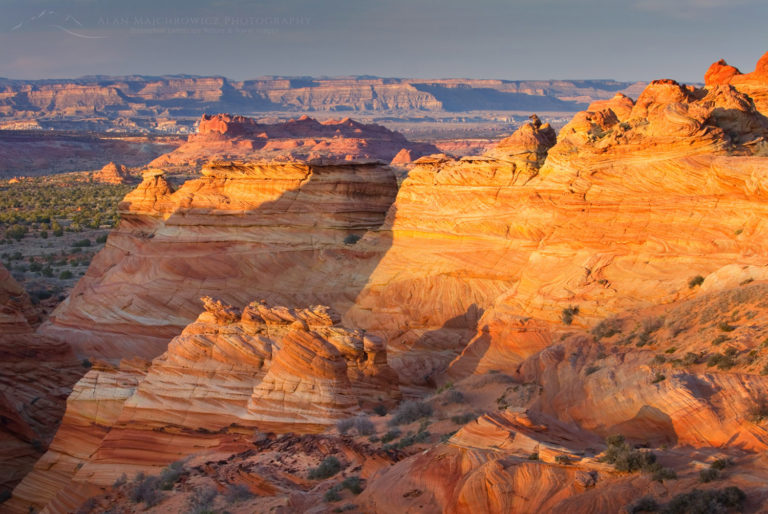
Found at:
[65, 275]
[725, 326]
[327, 468]
[145, 489]
[463, 419]
[708, 475]
[569, 313]
[352, 484]
[237, 493]
[170, 475]
[390, 436]
[644, 504]
[410, 411]
[712, 501]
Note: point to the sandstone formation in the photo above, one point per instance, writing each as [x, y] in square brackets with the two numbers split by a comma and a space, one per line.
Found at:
[226, 137]
[285, 232]
[16, 309]
[551, 292]
[268, 368]
[754, 84]
[112, 174]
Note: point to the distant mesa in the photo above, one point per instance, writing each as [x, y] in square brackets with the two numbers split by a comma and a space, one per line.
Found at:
[231, 137]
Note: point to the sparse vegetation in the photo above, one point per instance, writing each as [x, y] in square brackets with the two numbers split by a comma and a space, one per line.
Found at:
[658, 377]
[170, 475]
[708, 475]
[453, 396]
[591, 369]
[607, 328]
[237, 493]
[327, 468]
[145, 490]
[644, 504]
[463, 419]
[352, 239]
[390, 436]
[720, 339]
[759, 410]
[725, 326]
[201, 501]
[722, 361]
[569, 313]
[410, 411]
[695, 281]
[712, 501]
[380, 409]
[624, 458]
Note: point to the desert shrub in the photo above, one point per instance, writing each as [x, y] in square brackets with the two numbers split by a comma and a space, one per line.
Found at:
[533, 456]
[352, 484]
[410, 411]
[671, 349]
[759, 409]
[720, 339]
[345, 425]
[453, 396]
[569, 313]
[380, 409]
[5, 494]
[410, 439]
[351, 239]
[65, 275]
[658, 377]
[445, 437]
[390, 436]
[463, 419]
[121, 481]
[624, 458]
[663, 474]
[87, 364]
[708, 475]
[691, 358]
[81, 243]
[720, 464]
[695, 281]
[725, 326]
[607, 328]
[237, 493]
[644, 504]
[722, 361]
[145, 489]
[327, 468]
[16, 232]
[659, 359]
[170, 475]
[202, 499]
[563, 459]
[332, 495]
[101, 239]
[363, 425]
[713, 501]
[591, 369]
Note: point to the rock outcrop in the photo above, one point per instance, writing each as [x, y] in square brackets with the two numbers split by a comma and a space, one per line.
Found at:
[285, 232]
[17, 313]
[113, 174]
[754, 84]
[228, 373]
[223, 136]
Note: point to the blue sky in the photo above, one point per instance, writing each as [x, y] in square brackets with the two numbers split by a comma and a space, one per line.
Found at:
[512, 39]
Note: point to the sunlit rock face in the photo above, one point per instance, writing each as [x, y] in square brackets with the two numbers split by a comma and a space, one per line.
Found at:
[291, 233]
[222, 136]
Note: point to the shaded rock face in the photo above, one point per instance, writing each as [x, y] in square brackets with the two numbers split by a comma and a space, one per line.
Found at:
[228, 373]
[16, 309]
[287, 232]
[223, 136]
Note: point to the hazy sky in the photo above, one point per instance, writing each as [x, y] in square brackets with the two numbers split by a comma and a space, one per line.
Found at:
[509, 39]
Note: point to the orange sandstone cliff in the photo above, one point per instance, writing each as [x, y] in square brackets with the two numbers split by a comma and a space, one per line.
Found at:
[533, 301]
